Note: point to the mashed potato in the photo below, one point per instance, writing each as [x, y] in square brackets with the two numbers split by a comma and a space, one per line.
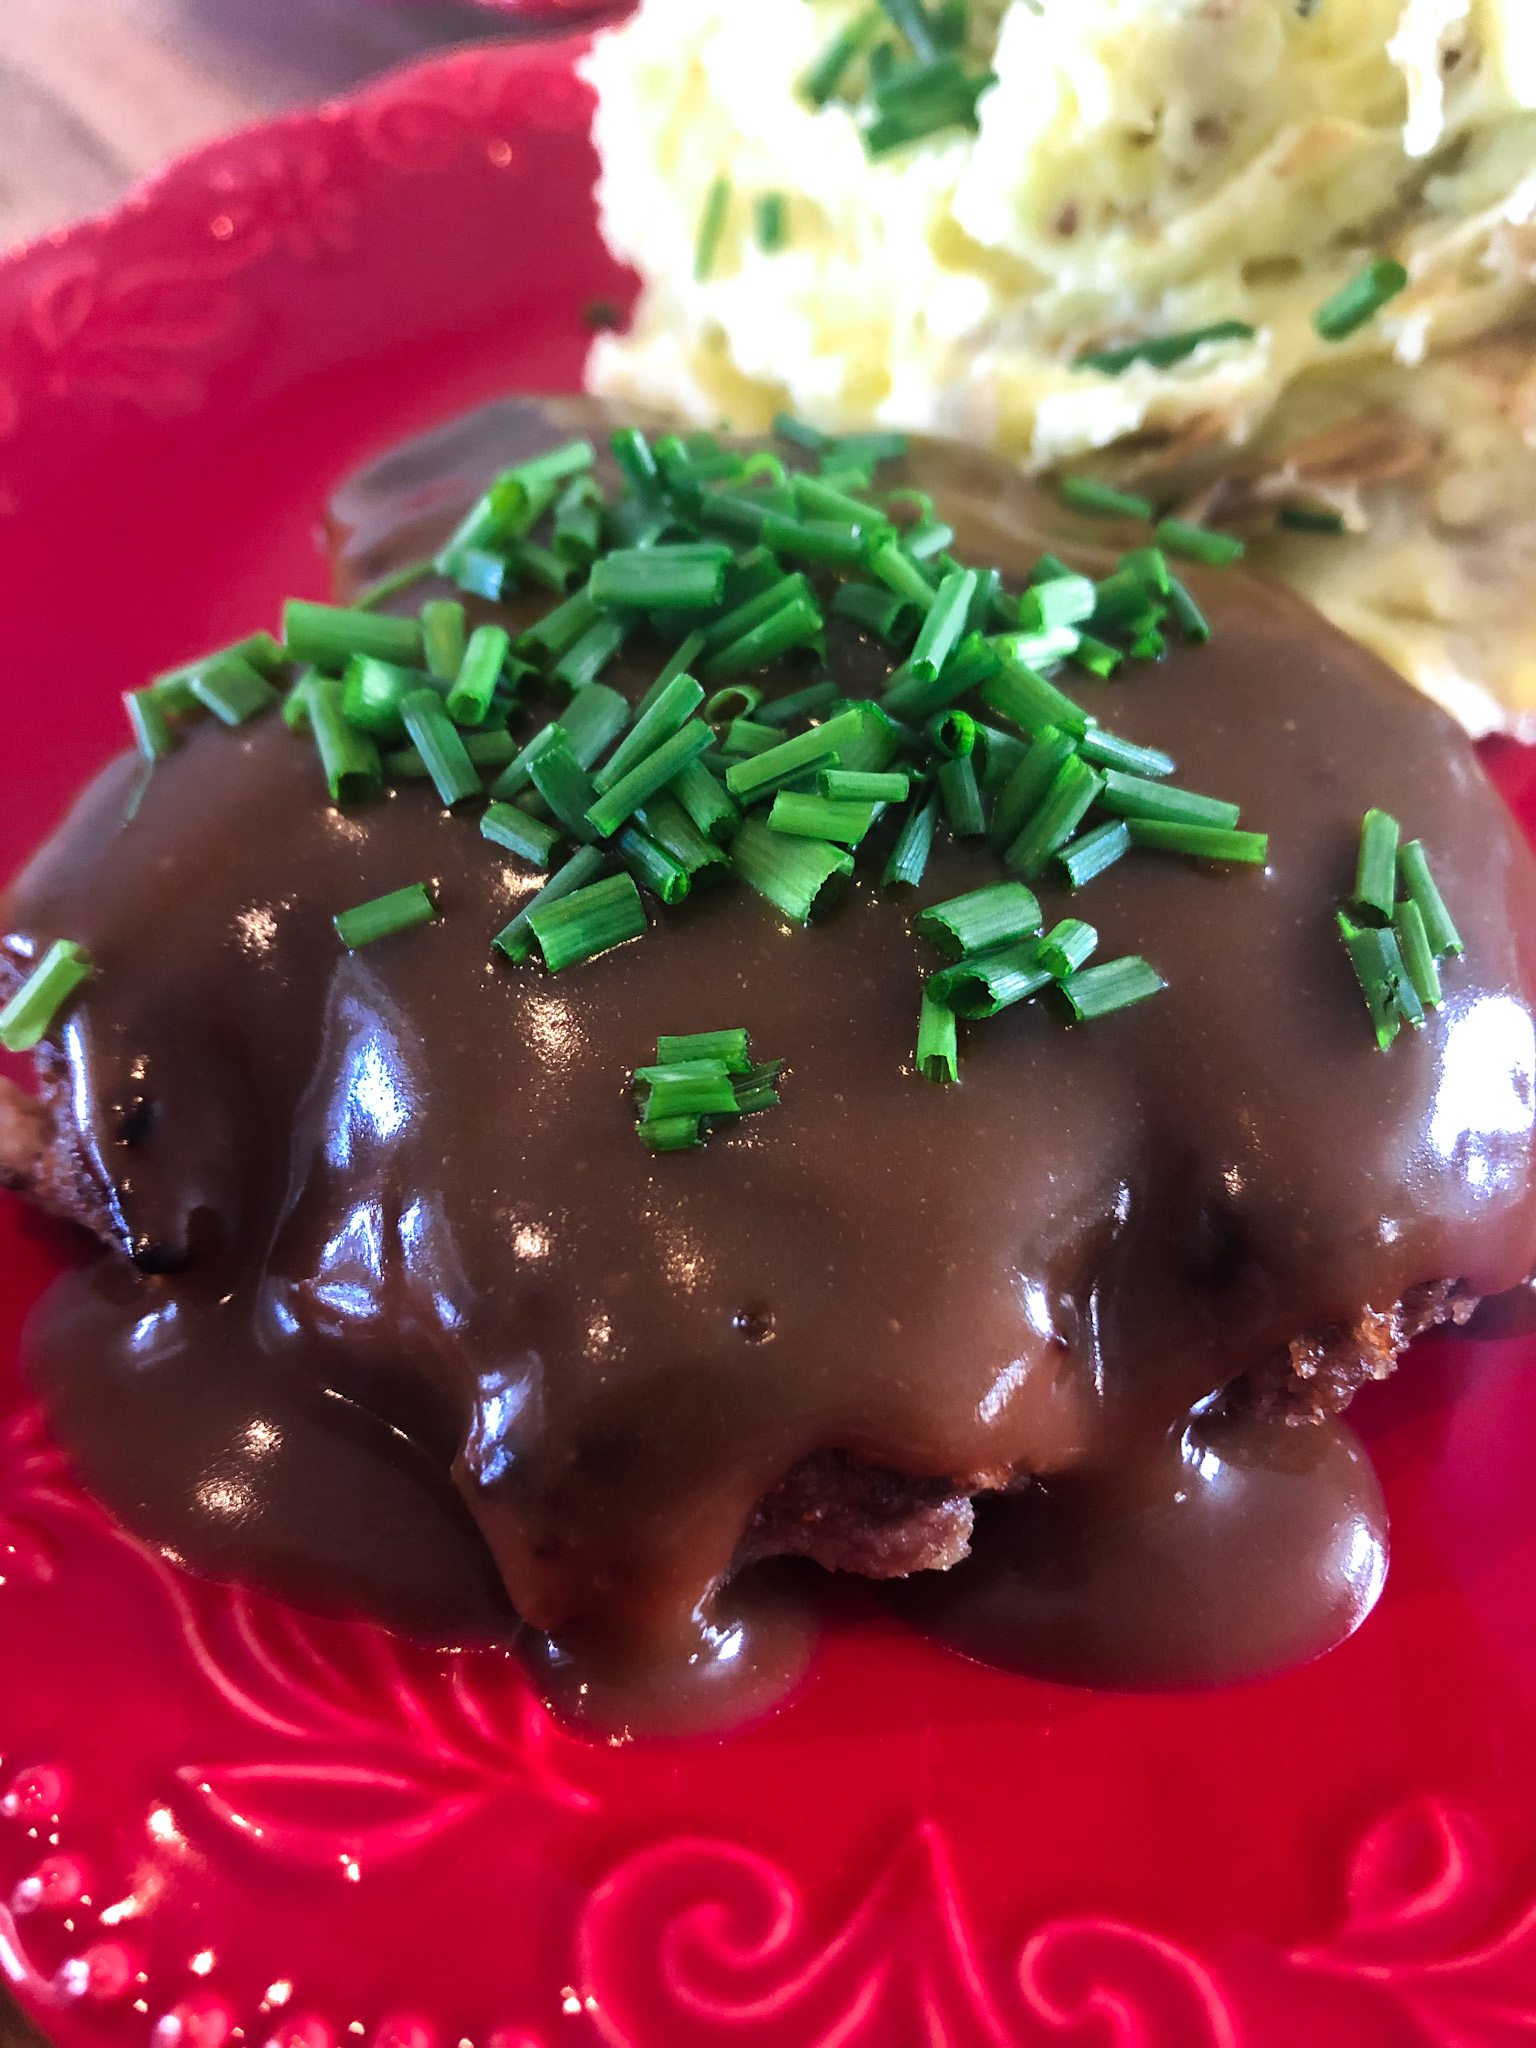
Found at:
[1140, 167]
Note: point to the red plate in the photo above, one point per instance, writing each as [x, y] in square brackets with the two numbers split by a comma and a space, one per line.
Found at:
[222, 1822]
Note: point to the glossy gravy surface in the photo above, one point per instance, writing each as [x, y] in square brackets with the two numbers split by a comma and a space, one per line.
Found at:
[433, 1336]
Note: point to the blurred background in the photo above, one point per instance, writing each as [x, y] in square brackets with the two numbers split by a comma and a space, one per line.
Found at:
[95, 93]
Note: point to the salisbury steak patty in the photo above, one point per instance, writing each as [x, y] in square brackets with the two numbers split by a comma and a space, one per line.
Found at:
[401, 1313]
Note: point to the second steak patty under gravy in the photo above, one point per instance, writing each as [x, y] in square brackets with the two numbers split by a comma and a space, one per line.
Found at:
[391, 1221]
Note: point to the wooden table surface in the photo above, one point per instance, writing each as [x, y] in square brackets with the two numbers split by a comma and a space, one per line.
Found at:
[95, 93]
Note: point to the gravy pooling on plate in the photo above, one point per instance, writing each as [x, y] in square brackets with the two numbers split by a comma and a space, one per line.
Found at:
[401, 1317]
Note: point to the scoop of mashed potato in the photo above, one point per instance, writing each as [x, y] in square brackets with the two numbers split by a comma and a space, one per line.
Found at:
[1139, 168]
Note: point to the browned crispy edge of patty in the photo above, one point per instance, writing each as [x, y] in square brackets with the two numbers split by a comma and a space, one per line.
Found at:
[847, 1515]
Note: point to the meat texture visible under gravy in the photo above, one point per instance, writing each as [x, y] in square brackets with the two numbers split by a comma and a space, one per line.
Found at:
[394, 1277]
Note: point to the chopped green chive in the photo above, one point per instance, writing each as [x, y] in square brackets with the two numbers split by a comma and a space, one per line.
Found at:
[999, 753]
[711, 227]
[730, 1048]
[493, 749]
[474, 680]
[30, 1013]
[490, 750]
[755, 1091]
[1099, 991]
[442, 635]
[743, 737]
[665, 820]
[755, 610]
[961, 797]
[632, 452]
[1134, 796]
[327, 636]
[349, 758]
[565, 787]
[1040, 650]
[1024, 791]
[819, 85]
[1028, 701]
[711, 810]
[1066, 946]
[1199, 543]
[531, 839]
[515, 500]
[667, 712]
[952, 733]
[1074, 787]
[518, 774]
[880, 611]
[706, 1074]
[1060, 601]
[384, 916]
[909, 856]
[587, 922]
[771, 213]
[794, 874]
[1303, 519]
[436, 738]
[1413, 866]
[1193, 623]
[753, 571]
[826, 543]
[670, 1134]
[1162, 350]
[1376, 869]
[899, 573]
[659, 578]
[387, 586]
[735, 701]
[665, 876]
[372, 693]
[1378, 965]
[1084, 494]
[914, 101]
[851, 785]
[680, 662]
[232, 690]
[516, 939]
[928, 538]
[578, 529]
[1150, 568]
[820, 817]
[944, 624]
[1360, 300]
[593, 720]
[912, 697]
[981, 921]
[687, 1088]
[620, 799]
[1418, 955]
[1080, 860]
[1204, 842]
[1108, 750]
[559, 630]
[529, 562]
[480, 573]
[152, 733]
[592, 653]
[816, 498]
[818, 748]
[259, 651]
[988, 982]
[937, 1055]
